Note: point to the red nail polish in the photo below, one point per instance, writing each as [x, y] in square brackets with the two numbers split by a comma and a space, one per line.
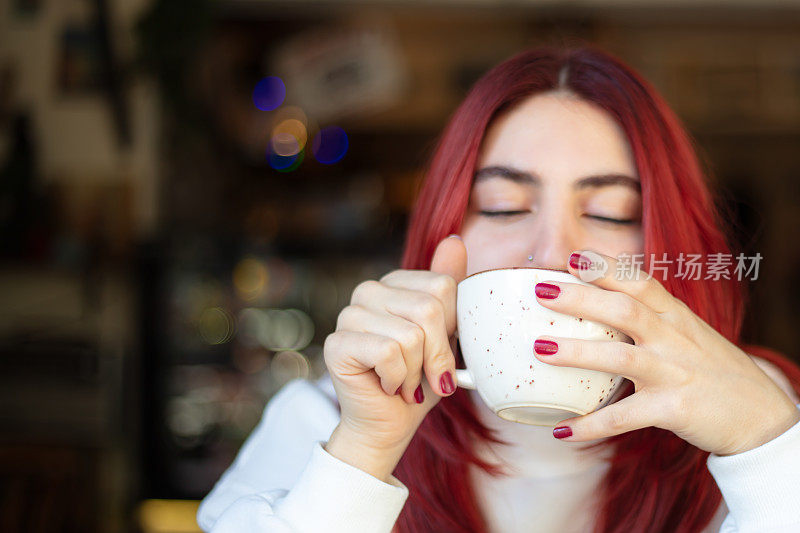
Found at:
[562, 432]
[578, 262]
[419, 396]
[446, 383]
[546, 290]
[543, 347]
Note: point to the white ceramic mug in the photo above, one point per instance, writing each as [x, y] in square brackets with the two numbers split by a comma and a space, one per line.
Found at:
[498, 321]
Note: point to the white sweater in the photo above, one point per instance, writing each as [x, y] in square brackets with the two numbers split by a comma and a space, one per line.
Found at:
[284, 481]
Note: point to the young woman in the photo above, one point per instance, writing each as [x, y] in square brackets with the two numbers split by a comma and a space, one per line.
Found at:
[553, 152]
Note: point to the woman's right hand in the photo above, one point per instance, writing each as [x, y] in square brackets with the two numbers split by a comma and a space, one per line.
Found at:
[396, 335]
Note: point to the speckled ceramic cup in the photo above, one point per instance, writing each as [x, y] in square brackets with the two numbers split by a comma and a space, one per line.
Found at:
[498, 320]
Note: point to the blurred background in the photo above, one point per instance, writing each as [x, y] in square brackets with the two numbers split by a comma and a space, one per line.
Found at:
[190, 190]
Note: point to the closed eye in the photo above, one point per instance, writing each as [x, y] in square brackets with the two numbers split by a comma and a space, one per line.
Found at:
[622, 221]
[501, 213]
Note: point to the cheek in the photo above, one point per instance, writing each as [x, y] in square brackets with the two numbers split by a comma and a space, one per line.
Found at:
[632, 243]
[492, 249]
[638, 242]
[622, 243]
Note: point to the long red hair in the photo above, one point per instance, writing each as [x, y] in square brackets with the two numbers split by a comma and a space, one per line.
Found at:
[656, 482]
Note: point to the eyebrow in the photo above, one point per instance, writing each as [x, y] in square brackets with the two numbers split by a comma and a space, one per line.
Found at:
[519, 176]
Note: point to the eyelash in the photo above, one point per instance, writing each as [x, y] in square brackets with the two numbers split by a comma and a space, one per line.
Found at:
[501, 213]
[622, 222]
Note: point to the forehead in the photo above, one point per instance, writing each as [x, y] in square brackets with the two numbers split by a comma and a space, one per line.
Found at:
[557, 135]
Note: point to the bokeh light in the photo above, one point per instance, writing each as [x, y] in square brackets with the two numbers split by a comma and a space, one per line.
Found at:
[269, 93]
[281, 331]
[275, 329]
[288, 365]
[298, 159]
[305, 330]
[188, 418]
[285, 144]
[215, 325]
[289, 137]
[193, 412]
[284, 163]
[250, 278]
[330, 145]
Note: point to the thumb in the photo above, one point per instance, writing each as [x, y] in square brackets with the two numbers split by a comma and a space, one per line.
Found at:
[450, 257]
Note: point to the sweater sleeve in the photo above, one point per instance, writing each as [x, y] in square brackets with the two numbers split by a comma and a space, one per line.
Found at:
[284, 481]
[761, 487]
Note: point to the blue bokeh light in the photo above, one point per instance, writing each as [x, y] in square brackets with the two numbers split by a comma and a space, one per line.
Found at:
[330, 145]
[281, 162]
[269, 93]
[298, 159]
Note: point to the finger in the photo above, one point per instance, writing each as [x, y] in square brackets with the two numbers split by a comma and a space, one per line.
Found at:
[613, 308]
[350, 353]
[450, 257]
[408, 335]
[619, 276]
[441, 286]
[619, 358]
[448, 267]
[427, 312]
[628, 414]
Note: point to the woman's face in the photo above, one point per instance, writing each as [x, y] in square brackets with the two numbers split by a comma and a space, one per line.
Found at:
[555, 174]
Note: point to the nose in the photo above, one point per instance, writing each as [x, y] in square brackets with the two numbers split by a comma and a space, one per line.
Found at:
[553, 240]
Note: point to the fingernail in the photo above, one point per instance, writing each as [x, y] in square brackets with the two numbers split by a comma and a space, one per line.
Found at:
[454, 235]
[446, 383]
[546, 290]
[579, 262]
[419, 396]
[543, 347]
[562, 432]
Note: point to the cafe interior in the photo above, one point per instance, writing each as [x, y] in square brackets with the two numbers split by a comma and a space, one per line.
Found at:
[191, 189]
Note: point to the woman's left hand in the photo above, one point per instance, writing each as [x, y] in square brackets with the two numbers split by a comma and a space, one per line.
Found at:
[687, 377]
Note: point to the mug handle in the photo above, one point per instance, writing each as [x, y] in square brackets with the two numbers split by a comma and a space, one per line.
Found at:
[464, 378]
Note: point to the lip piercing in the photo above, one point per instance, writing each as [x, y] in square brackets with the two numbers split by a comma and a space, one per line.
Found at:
[530, 258]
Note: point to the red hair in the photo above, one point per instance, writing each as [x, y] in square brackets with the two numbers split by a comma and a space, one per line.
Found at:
[656, 482]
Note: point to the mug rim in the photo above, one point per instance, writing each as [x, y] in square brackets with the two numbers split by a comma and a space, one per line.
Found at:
[562, 270]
